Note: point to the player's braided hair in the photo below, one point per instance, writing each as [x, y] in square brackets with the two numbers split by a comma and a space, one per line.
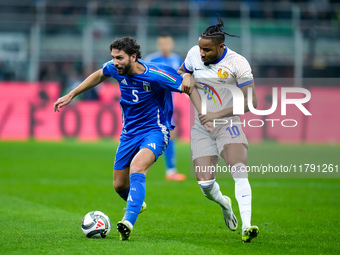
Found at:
[216, 32]
[127, 44]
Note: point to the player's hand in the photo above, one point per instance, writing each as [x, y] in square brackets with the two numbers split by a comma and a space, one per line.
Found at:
[209, 126]
[62, 101]
[188, 83]
[199, 84]
[209, 117]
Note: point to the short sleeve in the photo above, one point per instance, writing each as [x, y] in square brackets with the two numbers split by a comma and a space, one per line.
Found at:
[167, 77]
[243, 72]
[109, 69]
[188, 62]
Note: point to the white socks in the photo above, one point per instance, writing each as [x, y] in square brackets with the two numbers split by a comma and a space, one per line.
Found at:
[211, 190]
[243, 193]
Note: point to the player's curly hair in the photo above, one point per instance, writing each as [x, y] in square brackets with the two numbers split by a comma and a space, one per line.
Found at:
[216, 32]
[127, 44]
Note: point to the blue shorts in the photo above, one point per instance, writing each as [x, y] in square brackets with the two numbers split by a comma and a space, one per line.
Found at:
[128, 147]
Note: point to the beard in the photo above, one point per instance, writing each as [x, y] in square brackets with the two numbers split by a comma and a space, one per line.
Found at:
[124, 70]
[211, 59]
[206, 62]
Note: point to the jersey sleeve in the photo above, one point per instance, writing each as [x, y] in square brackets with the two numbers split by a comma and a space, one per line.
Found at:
[188, 62]
[243, 72]
[167, 78]
[109, 69]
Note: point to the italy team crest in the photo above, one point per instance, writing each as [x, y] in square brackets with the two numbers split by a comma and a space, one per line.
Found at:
[146, 86]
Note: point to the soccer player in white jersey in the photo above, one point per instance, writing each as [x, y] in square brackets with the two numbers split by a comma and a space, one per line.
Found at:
[213, 65]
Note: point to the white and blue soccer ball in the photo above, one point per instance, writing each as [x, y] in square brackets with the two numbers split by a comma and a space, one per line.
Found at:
[96, 224]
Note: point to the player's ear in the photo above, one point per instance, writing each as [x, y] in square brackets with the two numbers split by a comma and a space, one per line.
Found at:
[134, 57]
[221, 45]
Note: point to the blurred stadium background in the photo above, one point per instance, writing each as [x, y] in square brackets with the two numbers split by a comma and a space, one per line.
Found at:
[49, 47]
[61, 40]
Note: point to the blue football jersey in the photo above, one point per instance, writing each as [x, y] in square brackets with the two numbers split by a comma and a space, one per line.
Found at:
[174, 60]
[146, 100]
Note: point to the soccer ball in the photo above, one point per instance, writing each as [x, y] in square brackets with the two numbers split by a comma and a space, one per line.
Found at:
[96, 224]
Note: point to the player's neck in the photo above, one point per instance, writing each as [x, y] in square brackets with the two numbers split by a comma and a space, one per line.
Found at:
[221, 51]
[136, 68]
[166, 54]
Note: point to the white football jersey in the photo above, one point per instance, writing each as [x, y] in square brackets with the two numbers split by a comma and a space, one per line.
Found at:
[231, 69]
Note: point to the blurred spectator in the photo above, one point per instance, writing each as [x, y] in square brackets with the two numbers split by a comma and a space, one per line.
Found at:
[285, 10]
[63, 24]
[164, 55]
[49, 72]
[2, 73]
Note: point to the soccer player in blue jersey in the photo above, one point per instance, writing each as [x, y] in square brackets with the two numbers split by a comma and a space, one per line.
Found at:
[146, 105]
[164, 55]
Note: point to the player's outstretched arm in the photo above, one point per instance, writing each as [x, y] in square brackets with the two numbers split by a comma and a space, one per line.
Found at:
[90, 82]
[188, 82]
[196, 100]
[194, 95]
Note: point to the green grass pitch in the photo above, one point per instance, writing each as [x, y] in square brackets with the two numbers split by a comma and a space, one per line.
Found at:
[47, 188]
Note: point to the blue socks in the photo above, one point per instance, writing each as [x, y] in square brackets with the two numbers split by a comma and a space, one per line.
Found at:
[124, 193]
[136, 197]
[170, 156]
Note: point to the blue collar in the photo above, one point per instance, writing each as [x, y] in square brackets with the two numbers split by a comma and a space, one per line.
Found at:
[143, 63]
[223, 55]
[146, 67]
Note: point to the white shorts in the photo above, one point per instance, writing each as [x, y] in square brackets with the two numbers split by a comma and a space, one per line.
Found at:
[204, 143]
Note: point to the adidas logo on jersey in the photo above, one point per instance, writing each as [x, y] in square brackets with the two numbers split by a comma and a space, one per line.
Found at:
[153, 145]
[124, 82]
